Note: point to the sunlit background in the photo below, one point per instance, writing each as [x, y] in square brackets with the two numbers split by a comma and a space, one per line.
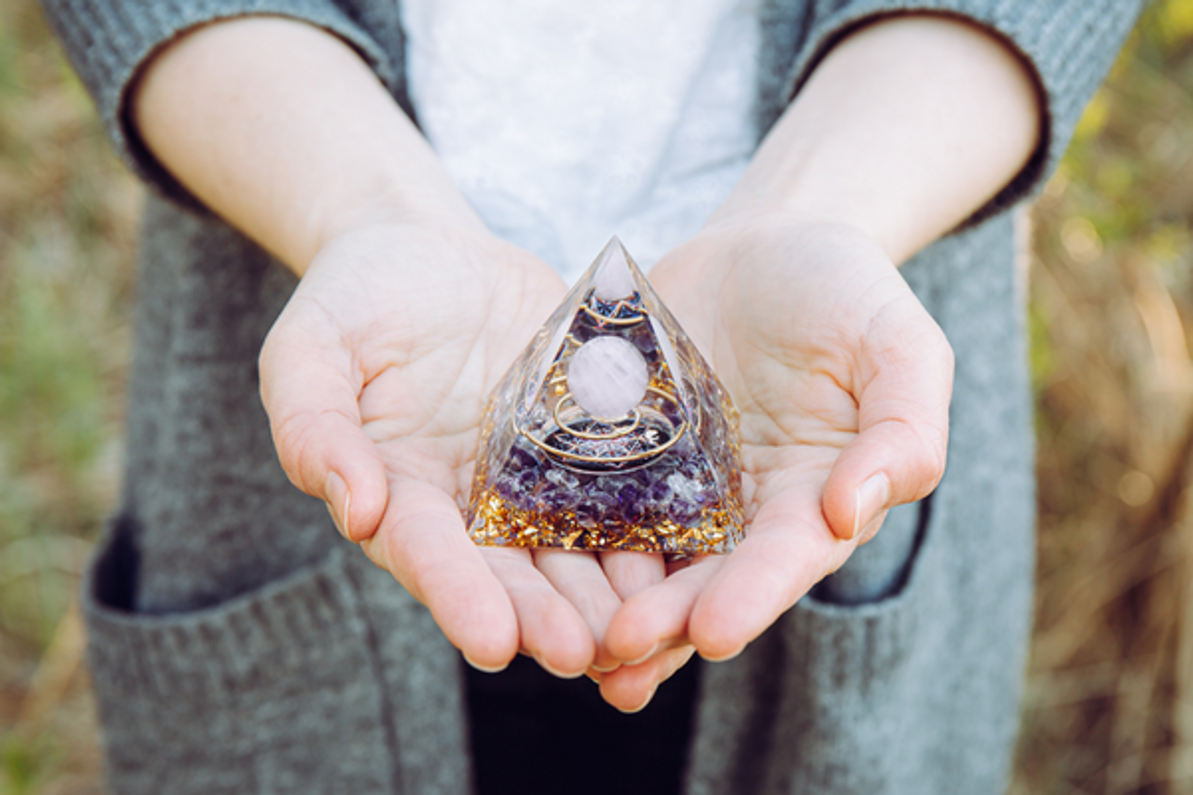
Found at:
[1109, 695]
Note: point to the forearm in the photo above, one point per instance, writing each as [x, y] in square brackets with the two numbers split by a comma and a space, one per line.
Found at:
[904, 130]
[283, 130]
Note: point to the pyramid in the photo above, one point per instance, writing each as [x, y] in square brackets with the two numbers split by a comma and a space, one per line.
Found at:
[609, 431]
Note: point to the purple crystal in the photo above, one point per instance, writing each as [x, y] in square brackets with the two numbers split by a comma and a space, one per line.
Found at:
[629, 501]
[557, 499]
[521, 459]
[684, 512]
[505, 488]
[592, 510]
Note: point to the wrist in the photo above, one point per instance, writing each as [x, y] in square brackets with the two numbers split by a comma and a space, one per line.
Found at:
[741, 228]
[906, 128]
[382, 206]
[759, 216]
[770, 242]
[284, 131]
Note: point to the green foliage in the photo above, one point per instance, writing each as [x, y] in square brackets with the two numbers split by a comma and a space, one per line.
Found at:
[25, 765]
[19, 766]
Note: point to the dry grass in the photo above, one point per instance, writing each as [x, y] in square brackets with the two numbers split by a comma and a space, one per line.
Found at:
[67, 221]
[1109, 705]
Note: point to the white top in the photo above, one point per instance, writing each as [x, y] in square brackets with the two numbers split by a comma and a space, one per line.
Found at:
[565, 123]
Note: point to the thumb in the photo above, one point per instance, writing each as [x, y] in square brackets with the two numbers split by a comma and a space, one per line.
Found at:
[899, 453]
[311, 390]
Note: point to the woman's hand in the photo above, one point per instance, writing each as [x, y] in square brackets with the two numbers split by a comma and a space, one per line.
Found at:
[375, 378]
[902, 131]
[407, 314]
[409, 311]
[843, 382]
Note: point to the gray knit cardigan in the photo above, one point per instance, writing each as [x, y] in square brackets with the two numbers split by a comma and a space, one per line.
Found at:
[238, 645]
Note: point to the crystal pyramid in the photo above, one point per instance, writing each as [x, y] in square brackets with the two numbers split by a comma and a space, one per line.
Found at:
[610, 431]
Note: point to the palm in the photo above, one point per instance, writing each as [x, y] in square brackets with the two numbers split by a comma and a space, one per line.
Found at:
[378, 371]
[427, 375]
[832, 362]
[798, 344]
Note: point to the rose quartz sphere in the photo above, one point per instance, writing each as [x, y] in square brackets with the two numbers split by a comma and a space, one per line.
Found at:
[608, 377]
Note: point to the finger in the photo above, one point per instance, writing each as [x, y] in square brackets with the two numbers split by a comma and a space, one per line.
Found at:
[631, 688]
[788, 549]
[657, 617]
[310, 392]
[422, 542]
[899, 453]
[578, 577]
[631, 572]
[551, 629]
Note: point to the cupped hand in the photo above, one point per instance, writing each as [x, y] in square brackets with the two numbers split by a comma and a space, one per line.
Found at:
[843, 383]
[375, 378]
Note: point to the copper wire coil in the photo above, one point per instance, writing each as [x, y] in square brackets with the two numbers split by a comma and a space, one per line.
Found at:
[567, 455]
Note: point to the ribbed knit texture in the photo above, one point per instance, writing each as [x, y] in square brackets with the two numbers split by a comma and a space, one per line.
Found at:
[329, 679]
[238, 646]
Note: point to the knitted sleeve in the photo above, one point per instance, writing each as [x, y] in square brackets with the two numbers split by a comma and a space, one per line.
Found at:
[1068, 44]
[109, 41]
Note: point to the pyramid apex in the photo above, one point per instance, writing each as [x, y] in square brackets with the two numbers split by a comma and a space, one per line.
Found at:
[613, 279]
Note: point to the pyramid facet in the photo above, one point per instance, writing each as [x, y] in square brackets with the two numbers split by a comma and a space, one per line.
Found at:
[580, 449]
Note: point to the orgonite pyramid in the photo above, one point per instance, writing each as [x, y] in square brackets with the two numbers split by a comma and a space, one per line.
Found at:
[610, 431]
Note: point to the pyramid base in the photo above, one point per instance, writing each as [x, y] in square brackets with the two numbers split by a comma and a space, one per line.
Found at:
[498, 523]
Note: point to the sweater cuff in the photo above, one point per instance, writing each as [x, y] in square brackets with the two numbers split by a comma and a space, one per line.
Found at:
[1068, 44]
[109, 42]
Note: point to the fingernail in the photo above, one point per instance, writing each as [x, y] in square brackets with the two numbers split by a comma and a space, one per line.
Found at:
[483, 668]
[726, 657]
[643, 705]
[871, 499]
[870, 529]
[338, 495]
[594, 674]
[556, 673]
[646, 656]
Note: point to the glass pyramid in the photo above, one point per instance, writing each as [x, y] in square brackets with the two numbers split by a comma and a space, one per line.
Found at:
[610, 431]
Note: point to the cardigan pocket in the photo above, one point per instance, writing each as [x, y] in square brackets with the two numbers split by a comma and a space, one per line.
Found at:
[276, 690]
[886, 696]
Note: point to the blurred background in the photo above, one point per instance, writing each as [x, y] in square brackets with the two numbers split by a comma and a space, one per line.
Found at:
[1109, 696]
